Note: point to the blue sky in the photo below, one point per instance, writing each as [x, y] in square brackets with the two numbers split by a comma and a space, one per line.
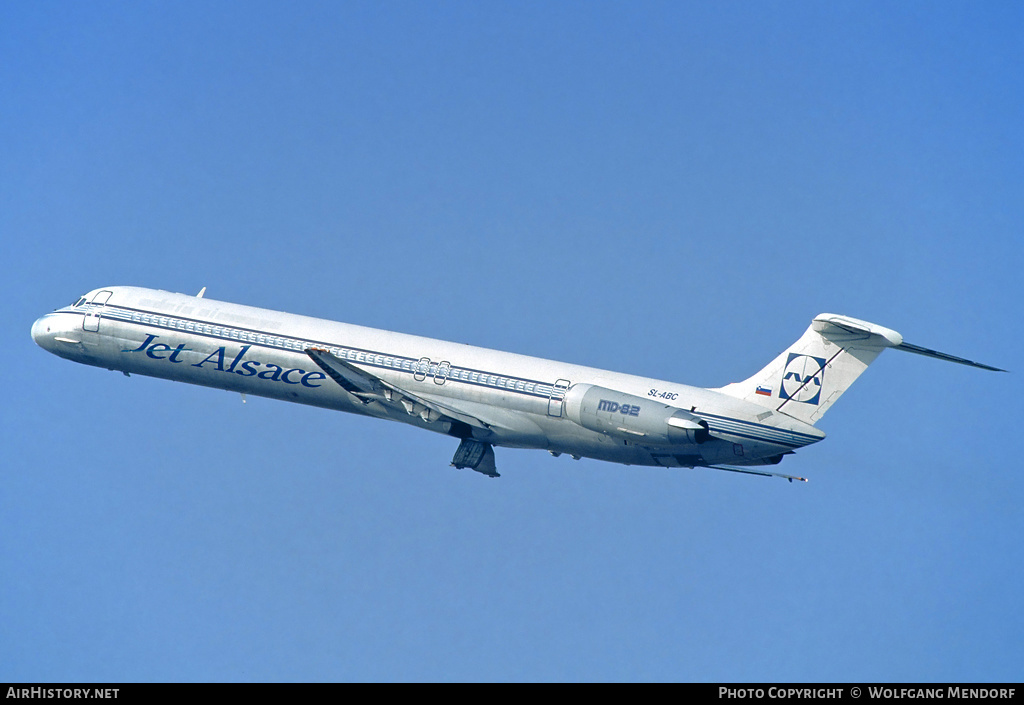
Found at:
[668, 189]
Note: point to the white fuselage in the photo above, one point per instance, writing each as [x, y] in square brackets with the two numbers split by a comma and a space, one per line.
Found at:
[521, 401]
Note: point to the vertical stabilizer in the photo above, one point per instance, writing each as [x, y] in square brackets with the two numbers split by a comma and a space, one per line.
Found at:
[806, 379]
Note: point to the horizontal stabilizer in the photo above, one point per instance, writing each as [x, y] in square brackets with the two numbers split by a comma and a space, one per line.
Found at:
[918, 350]
[763, 473]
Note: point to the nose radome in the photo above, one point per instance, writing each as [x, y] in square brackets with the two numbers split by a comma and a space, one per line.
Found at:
[43, 332]
[38, 330]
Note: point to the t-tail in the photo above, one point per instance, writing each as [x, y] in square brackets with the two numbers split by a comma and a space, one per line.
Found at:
[808, 378]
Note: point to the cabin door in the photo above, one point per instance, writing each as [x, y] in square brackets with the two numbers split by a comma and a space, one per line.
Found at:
[91, 322]
[557, 396]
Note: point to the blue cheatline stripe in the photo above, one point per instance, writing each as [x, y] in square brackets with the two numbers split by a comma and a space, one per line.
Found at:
[798, 434]
[489, 380]
[756, 431]
[760, 439]
[724, 424]
[771, 435]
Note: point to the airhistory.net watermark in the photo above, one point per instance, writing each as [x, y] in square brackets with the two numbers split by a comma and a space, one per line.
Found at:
[62, 693]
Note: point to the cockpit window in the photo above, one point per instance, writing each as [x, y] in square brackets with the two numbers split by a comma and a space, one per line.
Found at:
[78, 303]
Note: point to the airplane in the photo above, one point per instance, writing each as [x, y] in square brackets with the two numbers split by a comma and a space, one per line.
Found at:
[484, 398]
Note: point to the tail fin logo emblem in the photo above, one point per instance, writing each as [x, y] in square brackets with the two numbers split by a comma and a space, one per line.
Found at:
[801, 380]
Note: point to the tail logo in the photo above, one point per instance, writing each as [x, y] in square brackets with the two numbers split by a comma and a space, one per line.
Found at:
[801, 380]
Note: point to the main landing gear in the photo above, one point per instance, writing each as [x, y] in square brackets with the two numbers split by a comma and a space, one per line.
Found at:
[475, 455]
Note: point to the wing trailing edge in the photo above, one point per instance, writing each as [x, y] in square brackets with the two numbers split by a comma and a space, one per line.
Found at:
[369, 388]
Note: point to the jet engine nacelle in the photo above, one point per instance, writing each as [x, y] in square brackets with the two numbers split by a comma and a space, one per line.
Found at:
[632, 418]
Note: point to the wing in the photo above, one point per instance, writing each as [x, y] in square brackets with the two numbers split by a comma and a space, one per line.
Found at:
[369, 388]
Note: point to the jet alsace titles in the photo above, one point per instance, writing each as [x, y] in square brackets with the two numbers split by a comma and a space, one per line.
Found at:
[484, 398]
[248, 368]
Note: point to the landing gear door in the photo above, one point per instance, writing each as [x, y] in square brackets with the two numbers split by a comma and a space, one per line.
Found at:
[556, 398]
[91, 322]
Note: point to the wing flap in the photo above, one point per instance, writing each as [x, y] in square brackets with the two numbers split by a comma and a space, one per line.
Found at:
[369, 388]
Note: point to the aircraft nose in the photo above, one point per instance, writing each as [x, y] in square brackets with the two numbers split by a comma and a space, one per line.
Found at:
[41, 333]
